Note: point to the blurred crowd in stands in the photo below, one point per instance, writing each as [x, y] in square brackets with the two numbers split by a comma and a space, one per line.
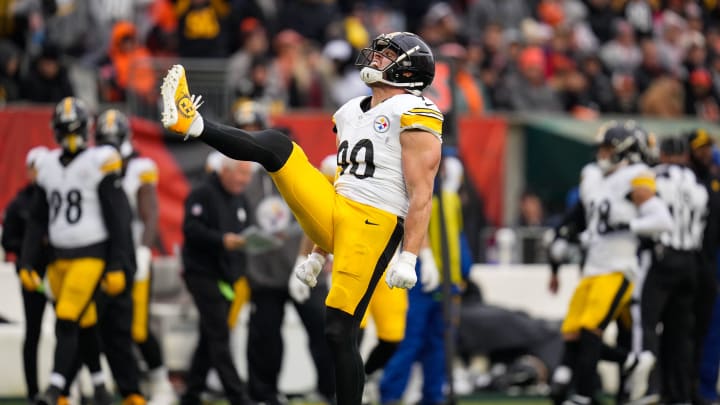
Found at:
[582, 57]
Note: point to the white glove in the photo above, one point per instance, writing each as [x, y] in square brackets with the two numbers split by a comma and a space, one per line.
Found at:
[143, 259]
[297, 289]
[429, 276]
[558, 250]
[308, 270]
[402, 273]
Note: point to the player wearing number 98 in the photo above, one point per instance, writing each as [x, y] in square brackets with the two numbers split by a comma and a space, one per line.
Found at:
[388, 152]
[620, 206]
[81, 205]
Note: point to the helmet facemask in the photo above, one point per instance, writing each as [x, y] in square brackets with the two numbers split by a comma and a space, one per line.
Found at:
[400, 70]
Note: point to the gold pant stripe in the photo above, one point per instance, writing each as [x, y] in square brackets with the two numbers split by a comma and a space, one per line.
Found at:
[141, 310]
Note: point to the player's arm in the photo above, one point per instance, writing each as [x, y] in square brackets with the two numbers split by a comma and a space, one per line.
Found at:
[117, 216]
[420, 162]
[654, 215]
[147, 202]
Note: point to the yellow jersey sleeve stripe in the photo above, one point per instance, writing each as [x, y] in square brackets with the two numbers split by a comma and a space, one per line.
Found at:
[113, 164]
[424, 122]
[644, 181]
[149, 177]
[426, 111]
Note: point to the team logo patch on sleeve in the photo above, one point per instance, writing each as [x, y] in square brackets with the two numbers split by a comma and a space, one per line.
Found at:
[381, 124]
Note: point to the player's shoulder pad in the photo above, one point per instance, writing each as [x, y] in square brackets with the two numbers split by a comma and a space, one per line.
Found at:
[418, 112]
[146, 169]
[107, 159]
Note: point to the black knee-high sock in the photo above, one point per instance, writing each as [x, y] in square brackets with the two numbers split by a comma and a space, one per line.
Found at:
[570, 354]
[380, 355]
[90, 348]
[590, 346]
[341, 331]
[151, 353]
[271, 148]
[66, 348]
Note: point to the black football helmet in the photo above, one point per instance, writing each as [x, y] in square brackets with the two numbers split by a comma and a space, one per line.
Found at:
[622, 142]
[647, 147]
[113, 128]
[412, 69]
[70, 124]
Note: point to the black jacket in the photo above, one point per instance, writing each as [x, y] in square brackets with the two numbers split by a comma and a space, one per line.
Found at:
[17, 215]
[711, 236]
[210, 212]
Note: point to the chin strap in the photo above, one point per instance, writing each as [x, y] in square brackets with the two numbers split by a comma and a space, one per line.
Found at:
[370, 75]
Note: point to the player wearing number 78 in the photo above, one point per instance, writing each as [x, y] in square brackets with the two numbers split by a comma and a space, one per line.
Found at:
[388, 154]
[81, 206]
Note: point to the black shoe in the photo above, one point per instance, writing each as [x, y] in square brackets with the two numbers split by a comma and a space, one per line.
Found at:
[49, 397]
[101, 396]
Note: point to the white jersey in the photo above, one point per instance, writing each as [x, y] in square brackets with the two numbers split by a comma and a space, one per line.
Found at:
[687, 201]
[607, 204]
[138, 171]
[75, 219]
[369, 152]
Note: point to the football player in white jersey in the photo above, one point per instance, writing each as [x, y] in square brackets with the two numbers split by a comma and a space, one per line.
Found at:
[388, 152]
[140, 177]
[619, 207]
[82, 207]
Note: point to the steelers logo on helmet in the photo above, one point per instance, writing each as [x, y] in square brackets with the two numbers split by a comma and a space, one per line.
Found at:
[113, 128]
[409, 65]
[70, 124]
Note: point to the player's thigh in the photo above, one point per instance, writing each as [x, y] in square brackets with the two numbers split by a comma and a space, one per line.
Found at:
[389, 310]
[55, 275]
[309, 195]
[576, 308]
[365, 240]
[609, 295]
[79, 284]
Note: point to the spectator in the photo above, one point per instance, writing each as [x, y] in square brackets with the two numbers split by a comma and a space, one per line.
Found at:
[702, 101]
[651, 68]
[128, 68]
[47, 81]
[599, 85]
[527, 90]
[670, 42]
[626, 94]
[254, 45]
[531, 210]
[622, 53]
[344, 82]
[9, 67]
[202, 29]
